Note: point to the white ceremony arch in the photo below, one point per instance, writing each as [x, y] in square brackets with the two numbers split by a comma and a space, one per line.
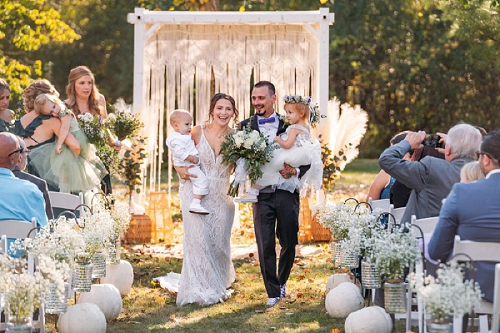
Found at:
[179, 56]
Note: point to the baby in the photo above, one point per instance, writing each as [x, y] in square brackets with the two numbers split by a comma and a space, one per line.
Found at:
[184, 153]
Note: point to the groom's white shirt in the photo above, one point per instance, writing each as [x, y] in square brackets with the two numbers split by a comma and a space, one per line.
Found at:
[269, 129]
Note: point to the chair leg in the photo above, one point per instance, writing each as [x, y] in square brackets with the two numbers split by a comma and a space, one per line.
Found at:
[457, 324]
[483, 323]
[408, 307]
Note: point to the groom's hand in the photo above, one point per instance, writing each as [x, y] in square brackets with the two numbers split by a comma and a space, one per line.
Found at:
[288, 171]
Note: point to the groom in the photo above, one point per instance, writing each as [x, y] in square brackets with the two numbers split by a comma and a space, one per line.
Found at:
[276, 212]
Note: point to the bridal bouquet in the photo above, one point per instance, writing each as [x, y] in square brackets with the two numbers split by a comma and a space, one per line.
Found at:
[93, 129]
[249, 150]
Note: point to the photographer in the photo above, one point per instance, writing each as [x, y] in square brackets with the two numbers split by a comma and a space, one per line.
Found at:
[431, 178]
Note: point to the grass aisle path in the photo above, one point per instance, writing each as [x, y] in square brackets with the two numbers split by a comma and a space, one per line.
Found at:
[148, 308]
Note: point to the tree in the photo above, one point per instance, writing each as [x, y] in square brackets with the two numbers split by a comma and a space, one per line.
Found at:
[28, 25]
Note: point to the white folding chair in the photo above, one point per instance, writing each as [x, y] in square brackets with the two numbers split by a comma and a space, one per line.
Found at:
[427, 226]
[477, 251]
[21, 229]
[398, 213]
[496, 301]
[64, 201]
[384, 204]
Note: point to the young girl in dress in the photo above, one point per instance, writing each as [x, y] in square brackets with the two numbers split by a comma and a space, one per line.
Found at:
[296, 150]
[71, 173]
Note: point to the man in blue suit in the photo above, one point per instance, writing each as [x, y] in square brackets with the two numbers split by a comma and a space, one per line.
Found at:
[472, 211]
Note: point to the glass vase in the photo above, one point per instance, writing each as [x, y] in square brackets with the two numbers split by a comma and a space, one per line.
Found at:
[18, 325]
[370, 275]
[114, 252]
[99, 265]
[395, 296]
[350, 260]
[336, 252]
[443, 325]
[55, 302]
[81, 280]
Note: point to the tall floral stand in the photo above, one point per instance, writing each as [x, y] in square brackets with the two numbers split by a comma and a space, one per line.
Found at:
[305, 221]
[161, 220]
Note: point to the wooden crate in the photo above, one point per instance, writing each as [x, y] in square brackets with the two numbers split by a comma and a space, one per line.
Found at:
[140, 229]
[320, 233]
[159, 211]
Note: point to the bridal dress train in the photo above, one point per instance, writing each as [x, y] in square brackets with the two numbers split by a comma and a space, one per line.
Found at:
[207, 269]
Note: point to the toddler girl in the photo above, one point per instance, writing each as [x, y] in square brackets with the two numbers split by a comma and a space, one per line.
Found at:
[296, 150]
[71, 173]
[471, 172]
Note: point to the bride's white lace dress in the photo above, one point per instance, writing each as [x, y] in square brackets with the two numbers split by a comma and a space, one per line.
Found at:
[207, 269]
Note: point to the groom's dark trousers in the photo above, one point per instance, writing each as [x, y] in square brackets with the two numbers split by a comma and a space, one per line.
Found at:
[276, 214]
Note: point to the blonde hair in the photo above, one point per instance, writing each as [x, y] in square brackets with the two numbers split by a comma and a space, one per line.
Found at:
[93, 101]
[471, 172]
[177, 115]
[34, 89]
[42, 99]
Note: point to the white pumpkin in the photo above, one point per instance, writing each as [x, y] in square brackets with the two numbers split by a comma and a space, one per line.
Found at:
[120, 275]
[372, 319]
[106, 297]
[335, 280]
[82, 318]
[343, 300]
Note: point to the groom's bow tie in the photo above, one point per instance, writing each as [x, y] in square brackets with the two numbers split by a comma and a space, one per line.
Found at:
[266, 120]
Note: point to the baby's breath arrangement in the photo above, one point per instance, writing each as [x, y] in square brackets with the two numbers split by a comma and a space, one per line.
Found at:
[119, 212]
[339, 218]
[447, 295]
[96, 233]
[394, 250]
[252, 150]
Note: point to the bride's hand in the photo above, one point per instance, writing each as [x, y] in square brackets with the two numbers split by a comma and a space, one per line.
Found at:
[183, 172]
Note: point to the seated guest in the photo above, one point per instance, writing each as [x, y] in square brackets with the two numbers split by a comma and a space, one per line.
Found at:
[472, 211]
[471, 172]
[381, 185]
[19, 199]
[400, 193]
[40, 183]
[431, 178]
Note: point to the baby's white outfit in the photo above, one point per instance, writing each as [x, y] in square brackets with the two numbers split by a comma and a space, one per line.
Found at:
[303, 152]
[181, 146]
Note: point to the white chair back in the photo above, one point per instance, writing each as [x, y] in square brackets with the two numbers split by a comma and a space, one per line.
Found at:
[384, 204]
[398, 213]
[16, 228]
[64, 201]
[496, 301]
[477, 251]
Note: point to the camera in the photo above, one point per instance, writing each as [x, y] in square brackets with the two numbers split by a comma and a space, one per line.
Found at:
[432, 140]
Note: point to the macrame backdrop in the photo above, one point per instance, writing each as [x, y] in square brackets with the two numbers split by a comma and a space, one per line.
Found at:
[180, 61]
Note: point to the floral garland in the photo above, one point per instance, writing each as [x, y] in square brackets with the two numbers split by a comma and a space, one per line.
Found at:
[314, 114]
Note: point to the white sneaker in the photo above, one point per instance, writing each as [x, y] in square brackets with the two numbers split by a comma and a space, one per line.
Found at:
[198, 209]
[246, 198]
[272, 302]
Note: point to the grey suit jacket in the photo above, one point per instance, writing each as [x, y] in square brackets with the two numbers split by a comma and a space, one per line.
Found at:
[42, 186]
[472, 211]
[430, 179]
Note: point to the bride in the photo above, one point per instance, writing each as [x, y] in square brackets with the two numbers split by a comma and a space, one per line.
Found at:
[207, 269]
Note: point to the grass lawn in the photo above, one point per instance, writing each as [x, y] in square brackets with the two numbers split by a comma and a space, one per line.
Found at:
[149, 308]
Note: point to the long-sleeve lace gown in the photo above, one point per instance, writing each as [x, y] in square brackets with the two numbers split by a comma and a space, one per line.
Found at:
[207, 269]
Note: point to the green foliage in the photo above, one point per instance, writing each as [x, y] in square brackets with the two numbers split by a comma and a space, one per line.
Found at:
[26, 26]
[130, 165]
[331, 168]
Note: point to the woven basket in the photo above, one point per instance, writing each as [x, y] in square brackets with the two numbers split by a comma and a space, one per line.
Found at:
[320, 233]
[140, 229]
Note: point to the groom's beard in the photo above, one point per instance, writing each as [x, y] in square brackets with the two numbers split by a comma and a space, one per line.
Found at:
[260, 113]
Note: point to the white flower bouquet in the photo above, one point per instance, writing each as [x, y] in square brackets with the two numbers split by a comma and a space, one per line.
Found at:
[394, 250]
[448, 294]
[250, 147]
[93, 129]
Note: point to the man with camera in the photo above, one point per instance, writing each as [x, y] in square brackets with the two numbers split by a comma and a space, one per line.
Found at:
[431, 178]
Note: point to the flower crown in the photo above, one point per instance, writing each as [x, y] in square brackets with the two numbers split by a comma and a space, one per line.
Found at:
[314, 115]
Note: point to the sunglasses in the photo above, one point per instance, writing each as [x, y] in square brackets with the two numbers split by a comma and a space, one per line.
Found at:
[479, 153]
[20, 150]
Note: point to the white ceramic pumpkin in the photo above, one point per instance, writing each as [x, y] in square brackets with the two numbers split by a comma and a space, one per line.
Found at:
[82, 318]
[372, 319]
[335, 280]
[120, 275]
[106, 297]
[343, 300]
